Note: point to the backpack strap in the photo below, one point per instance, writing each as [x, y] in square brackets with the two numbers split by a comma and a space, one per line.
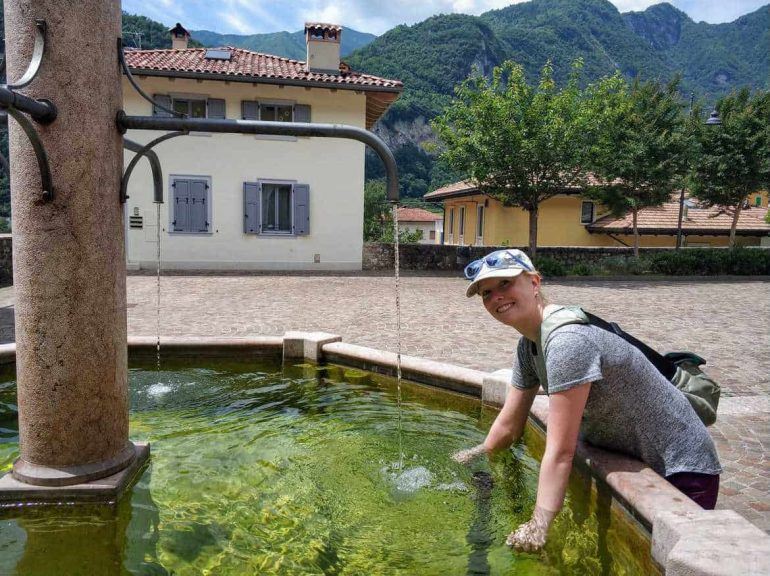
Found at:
[663, 364]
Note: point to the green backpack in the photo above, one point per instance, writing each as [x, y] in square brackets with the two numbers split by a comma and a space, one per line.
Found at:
[682, 369]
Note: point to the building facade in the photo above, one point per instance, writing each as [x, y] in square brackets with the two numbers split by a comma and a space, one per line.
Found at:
[429, 224]
[571, 219]
[237, 201]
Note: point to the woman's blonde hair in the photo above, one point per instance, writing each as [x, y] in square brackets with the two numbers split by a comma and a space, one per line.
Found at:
[540, 292]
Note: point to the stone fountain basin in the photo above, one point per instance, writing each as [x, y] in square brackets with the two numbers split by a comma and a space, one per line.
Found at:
[684, 538]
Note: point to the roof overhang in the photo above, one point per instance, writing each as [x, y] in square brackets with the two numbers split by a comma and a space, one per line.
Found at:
[673, 231]
[378, 98]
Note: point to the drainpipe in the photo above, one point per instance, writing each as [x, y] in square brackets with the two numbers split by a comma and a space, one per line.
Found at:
[69, 264]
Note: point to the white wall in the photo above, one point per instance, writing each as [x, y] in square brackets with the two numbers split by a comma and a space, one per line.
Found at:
[426, 228]
[333, 168]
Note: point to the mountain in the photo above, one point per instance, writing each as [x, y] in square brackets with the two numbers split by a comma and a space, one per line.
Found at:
[141, 32]
[713, 58]
[286, 44]
[433, 55]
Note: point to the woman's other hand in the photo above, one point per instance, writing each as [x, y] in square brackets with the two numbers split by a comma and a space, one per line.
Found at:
[531, 536]
[469, 454]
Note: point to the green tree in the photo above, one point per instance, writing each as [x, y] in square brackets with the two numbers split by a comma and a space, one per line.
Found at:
[734, 159]
[378, 217]
[521, 144]
[641, 147]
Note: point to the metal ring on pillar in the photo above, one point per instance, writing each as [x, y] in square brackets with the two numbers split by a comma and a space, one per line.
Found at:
[42, 158]
[135, 160]
[37, 57]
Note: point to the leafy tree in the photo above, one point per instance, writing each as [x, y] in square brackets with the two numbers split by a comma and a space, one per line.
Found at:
[521, 144]
[378, 217]
[735, 156]
[640, 150]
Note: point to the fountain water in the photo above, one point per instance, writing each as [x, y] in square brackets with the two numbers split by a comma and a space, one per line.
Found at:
[396, 265]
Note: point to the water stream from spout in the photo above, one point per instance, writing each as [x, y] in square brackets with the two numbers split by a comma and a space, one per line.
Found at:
[398, 335]
[157, 300]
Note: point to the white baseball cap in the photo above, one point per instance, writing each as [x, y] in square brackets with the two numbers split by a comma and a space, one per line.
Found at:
[498, 264]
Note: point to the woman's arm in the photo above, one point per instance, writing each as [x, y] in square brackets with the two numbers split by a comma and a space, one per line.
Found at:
[509, 424]
[565, 413]
[507, 427]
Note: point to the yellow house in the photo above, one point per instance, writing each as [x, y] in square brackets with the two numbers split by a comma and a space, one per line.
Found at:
[237, 201]
[569, 219]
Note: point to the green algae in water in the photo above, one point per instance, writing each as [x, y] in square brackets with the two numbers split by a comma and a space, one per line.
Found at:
[293, 470]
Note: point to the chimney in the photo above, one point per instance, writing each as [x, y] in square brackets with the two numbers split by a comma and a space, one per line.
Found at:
[179, 37]
[323, 47]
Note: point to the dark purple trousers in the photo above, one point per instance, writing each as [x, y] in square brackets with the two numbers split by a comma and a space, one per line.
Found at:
[703, 489]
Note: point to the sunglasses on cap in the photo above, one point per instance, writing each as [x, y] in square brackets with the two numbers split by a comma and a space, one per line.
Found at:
[495, 260]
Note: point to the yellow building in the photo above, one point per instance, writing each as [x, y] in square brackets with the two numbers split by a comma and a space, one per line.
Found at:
[236, 201]
[570, 219]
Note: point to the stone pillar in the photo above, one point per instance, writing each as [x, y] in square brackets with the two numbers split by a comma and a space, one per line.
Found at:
[68, 255]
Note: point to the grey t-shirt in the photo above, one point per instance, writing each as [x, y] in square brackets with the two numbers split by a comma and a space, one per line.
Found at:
[631, 407]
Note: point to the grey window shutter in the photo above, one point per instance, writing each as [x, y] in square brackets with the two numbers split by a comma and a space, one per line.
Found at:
[301, 209]
[251, 207]
[199, 212]
[215, 108]
[301, 113]
[181, 222]
[249, 110]
[163, 100]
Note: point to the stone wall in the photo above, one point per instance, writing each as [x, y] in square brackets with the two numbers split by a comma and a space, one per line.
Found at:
[379, 256]
[6, 261]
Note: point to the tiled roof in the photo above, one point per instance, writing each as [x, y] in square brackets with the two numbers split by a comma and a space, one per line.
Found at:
[469, 188]
[246, 64]
[701, 221]
[457, 188]
[417, 215]
[323, 26]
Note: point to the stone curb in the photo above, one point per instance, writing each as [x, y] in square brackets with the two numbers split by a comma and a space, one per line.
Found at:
[718, 542]
[308, 345]
[438, 374]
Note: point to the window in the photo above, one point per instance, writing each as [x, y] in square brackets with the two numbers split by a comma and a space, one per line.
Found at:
[479, 221]
[272, 207]
[432, 235]
[276, 112]
[192, 106]
[276, 208]
[451, 220]
[190, 204]
[587, 212]
[462, 220]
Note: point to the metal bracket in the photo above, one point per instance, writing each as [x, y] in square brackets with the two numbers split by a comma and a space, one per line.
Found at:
[146, 150]
[37, 57]
[42, 157]
[142, 93]
[42, 111]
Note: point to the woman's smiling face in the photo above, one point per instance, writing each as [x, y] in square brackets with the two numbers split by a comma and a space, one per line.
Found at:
[512, 301]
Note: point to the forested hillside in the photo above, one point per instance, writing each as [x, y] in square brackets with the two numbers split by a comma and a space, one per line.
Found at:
[433, 55]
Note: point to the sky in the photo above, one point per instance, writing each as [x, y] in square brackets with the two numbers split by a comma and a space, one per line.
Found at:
[374, 16]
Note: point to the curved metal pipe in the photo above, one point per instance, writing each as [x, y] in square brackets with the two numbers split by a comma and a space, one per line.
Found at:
[135, 160]
[126, 122]
[37, 57]
[142, 93]
[40, 153]
[157, 171]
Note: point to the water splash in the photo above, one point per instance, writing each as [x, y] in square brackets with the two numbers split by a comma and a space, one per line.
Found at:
[398, 334]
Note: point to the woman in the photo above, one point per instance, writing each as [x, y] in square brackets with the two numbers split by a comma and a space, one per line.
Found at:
[600, 387]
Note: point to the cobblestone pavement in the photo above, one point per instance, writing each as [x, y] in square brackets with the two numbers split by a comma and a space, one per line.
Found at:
[727, 322]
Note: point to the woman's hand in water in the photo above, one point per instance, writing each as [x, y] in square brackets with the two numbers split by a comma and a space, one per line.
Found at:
[469, 454]
[531, 536]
